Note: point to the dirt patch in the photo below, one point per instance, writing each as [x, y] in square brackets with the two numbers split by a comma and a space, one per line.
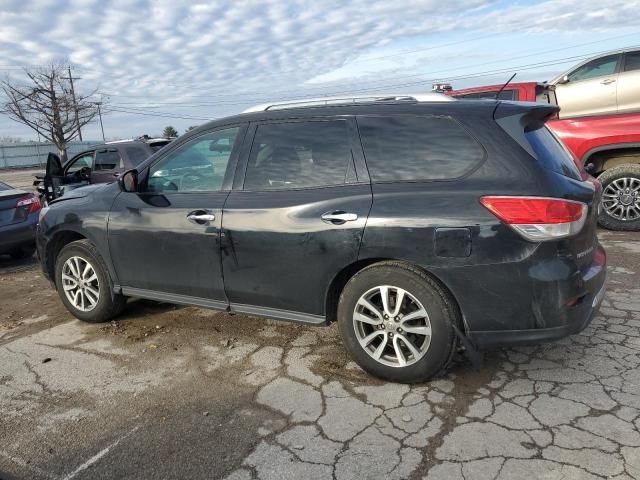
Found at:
[27, 299]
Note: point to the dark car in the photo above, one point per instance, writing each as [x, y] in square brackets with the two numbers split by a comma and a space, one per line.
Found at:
[417, 223]
[18, 219]
[100, 164]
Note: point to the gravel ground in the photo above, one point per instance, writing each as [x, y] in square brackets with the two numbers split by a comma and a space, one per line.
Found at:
[171, 392]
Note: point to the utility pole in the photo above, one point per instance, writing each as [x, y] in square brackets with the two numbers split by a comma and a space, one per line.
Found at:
[75, 104]
[100, 116]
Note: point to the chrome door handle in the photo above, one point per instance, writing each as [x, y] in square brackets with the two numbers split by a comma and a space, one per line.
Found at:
[339, 217]
[201, 218]
[607, 81]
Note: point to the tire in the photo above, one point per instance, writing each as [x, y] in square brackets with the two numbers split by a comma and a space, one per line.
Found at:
[612, 180]
[23, 252]
[434, 351]
[98, 308]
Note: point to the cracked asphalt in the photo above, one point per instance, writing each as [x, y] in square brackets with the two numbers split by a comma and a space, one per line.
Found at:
[173, 392]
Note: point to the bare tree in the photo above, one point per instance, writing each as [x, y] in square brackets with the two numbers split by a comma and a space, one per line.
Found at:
[46, 103]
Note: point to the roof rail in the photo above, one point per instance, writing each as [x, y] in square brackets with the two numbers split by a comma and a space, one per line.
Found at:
[321, 101]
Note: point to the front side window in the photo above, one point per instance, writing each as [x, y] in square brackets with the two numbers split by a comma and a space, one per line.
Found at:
[196, 166]
[83, 161]
[595, 68]
[407, 147]
[632, 61]
[299, 155]
[108, 159]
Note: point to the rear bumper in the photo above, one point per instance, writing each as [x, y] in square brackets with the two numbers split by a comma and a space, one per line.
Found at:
[18, 235]
[559, 321]
[504, 338]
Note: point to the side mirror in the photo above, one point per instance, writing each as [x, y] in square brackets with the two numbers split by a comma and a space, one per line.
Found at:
[128, 181]
[564, 79]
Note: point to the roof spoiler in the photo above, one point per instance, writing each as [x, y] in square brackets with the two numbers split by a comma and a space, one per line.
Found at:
[519, 118]
[530, 116]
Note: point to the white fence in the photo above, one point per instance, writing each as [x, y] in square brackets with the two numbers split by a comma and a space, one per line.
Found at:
[16, 155]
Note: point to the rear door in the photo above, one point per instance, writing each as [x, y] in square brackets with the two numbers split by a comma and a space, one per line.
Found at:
[295, 217]
[590, 89]
[629, 83]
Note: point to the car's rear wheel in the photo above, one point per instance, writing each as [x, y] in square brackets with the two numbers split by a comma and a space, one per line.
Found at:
[396, 322]
[620, 198]
[83, 283]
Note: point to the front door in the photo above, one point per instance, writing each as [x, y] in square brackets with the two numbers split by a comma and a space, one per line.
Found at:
[590, 89]
[164, 239]
[296, 220]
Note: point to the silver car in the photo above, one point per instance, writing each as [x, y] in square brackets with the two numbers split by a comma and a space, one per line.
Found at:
[606, 84]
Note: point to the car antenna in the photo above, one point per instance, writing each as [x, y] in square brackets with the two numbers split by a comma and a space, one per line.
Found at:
[505, 85]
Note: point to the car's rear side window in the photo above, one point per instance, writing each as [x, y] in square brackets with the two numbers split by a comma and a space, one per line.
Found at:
[408, 147]
[292, 155]
[632, 61]
[4, 186]
[136, 155]
[551, 153]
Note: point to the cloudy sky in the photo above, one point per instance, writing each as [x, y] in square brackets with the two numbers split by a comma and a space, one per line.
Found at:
[180, 63]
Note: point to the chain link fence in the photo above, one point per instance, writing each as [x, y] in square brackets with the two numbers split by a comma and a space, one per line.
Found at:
[20, 155]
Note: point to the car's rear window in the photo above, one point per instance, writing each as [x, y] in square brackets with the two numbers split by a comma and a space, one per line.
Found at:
[4, 186]
[413, 148]
[551, 153]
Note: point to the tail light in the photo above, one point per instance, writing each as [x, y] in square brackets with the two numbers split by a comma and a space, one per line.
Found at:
[30, 203]
[537, 218]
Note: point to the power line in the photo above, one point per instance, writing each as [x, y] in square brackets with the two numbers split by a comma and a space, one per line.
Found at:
[156, 114]
[502, 70]
[445, 70]
[504, 59]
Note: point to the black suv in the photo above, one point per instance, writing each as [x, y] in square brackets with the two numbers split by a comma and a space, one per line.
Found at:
[418, 224]
[99, 164]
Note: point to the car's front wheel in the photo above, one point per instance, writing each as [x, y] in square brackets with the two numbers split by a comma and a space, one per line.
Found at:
[396, 322]
[84, 285]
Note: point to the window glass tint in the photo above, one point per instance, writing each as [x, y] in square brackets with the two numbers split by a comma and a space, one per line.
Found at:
[504, 95]
[136, 155]
[84, 161]
[196, 166]
[596, 68]
[299, 155]
[107, 160]
[551, 153]
[632, 61]
[407, 147]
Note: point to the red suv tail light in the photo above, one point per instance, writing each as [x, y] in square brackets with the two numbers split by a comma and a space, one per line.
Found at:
[538, 218]
[30, 203]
